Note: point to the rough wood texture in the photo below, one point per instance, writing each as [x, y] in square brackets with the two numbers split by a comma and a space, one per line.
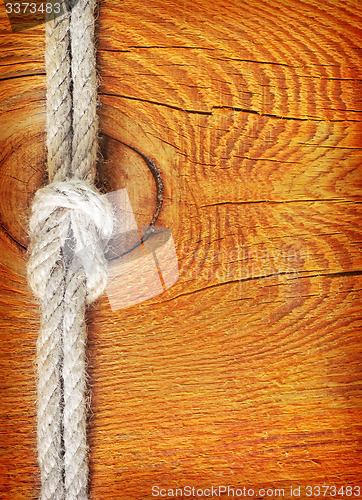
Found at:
[246, 372]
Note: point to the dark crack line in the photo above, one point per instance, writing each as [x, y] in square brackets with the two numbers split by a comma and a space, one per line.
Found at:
[20, 76]
[170, 106]
[272, 202]
[254, 278]
[17, 243]
[233, 108]
[332, 275]
[241, 280]
[255, 62]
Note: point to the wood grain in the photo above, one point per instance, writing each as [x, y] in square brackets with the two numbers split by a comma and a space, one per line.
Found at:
[246, 372]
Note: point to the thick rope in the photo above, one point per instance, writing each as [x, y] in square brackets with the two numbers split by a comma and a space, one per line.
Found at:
[59, 97]
[85, 123]
[67, 268]
[69, 226]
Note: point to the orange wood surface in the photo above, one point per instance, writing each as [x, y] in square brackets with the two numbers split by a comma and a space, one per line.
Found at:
[247, 372]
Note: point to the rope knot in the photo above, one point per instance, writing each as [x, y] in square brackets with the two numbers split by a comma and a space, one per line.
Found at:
[70, 225]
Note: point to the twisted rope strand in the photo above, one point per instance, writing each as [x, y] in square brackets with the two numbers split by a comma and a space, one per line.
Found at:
[59, 97]
[84, 155]
[85, 121]
[74, 370]
[51, 276]
[46, 268]
[64, 280]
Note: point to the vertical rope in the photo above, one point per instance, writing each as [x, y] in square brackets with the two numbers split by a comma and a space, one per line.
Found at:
[85, 122]
[49, 343]
[66, 215]
[59, 96]
[74, 376]
[49, 353]
[67, 270]
[84, 155]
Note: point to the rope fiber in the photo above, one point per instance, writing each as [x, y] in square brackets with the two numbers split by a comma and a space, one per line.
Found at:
[69, 226]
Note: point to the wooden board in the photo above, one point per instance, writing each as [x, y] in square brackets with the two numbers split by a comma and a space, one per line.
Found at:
[246, 373]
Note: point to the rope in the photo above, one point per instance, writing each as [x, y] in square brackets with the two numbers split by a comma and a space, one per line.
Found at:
[59, 97]
[84, 76]
[66, 267]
